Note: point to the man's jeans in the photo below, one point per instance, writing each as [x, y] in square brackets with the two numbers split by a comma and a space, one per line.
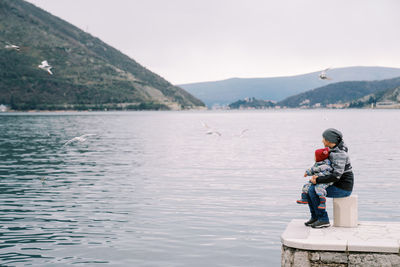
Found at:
[313, 201]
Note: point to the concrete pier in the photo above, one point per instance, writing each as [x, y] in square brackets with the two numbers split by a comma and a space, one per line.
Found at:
[368, 244]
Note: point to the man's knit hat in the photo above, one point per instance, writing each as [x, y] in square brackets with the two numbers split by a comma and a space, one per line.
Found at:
[321, 154]
[332, 135]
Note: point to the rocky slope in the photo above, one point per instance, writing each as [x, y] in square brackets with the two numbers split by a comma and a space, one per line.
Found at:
[87, 73]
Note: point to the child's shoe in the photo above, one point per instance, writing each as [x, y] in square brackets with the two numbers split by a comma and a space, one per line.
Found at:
[322, 203]
[303, 199]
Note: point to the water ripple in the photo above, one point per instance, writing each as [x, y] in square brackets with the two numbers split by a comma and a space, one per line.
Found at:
[152, 189]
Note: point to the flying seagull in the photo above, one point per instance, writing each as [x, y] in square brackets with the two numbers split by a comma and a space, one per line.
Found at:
[209, 130]
[323, 76]
[11, 46]
[242, 133]
[81, 139]
[45, 66]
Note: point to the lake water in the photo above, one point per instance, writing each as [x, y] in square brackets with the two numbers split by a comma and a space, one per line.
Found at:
[153, 189]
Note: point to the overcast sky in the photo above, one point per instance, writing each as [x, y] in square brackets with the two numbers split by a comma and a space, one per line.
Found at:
[203, 40]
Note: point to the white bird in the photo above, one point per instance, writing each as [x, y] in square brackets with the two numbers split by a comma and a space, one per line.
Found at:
[45, 66]
[209, 130]
[242, 133]
[11, 46]
[323, 76]
[81, 139]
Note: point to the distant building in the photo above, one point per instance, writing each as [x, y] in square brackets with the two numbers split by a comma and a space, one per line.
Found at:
[305, 102]
[317, 105]
[338, 105]
[3, 108]
[219, 107]
[387, 104]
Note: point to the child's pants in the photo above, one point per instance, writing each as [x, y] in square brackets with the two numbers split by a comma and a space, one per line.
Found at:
[320, 189]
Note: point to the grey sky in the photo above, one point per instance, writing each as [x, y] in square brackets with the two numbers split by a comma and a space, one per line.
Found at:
[190, 41]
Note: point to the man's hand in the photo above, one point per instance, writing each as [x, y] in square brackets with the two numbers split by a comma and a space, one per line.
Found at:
[305, 174]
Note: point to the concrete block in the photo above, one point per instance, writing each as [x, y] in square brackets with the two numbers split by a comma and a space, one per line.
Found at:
[345, 211]
[316, 244]
[323, 244]
[378, 237]
[373, 245]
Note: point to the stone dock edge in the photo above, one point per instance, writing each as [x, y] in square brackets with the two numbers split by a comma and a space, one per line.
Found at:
[293, 257]
[382, 237]
[368, 244]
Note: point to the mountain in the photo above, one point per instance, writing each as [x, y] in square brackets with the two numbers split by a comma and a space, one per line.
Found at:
[88, 74]
[278, 88]
[339, 93]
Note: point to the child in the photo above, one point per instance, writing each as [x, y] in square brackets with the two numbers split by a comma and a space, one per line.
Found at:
[322, 167]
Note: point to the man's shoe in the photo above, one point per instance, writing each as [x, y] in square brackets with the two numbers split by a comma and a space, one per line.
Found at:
[310, 221]
[320, 224]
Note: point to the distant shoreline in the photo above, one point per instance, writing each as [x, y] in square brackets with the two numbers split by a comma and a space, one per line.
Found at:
[194, 109]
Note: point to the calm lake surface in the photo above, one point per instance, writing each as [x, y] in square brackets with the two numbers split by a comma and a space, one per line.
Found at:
[153, 189]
